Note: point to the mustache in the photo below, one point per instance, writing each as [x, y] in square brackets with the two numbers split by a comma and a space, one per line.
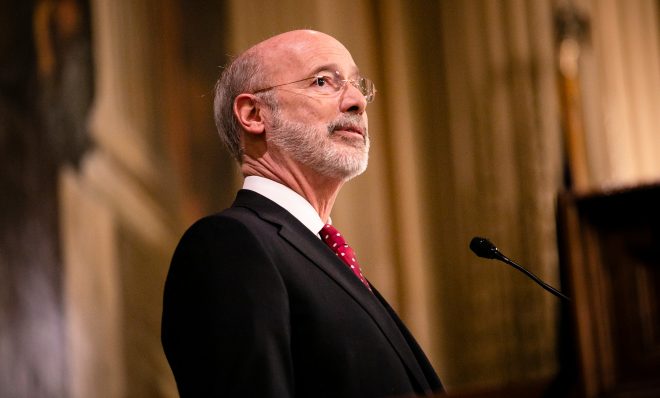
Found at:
[354, 122]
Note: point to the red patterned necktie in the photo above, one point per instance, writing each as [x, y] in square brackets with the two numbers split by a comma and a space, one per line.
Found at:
[337, 243]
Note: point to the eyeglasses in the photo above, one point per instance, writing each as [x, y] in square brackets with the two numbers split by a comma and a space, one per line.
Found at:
[331, 83]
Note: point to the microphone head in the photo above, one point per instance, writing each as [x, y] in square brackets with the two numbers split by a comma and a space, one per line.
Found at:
[482, 247]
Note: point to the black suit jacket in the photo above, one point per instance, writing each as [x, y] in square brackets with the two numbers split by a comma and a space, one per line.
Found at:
[256, 305]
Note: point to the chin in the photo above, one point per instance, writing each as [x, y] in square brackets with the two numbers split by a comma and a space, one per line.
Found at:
[347, 168]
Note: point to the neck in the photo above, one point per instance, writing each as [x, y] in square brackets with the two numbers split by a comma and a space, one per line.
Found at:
[319, 190]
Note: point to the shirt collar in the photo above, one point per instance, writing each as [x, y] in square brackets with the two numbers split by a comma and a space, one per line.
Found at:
[287, 198]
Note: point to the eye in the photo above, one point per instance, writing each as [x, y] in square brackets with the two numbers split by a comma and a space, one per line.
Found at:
[325, 83]
[321, 81]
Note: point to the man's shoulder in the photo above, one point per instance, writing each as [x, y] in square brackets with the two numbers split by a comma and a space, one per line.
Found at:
[231, 221]
[251, 218]
[234, 230]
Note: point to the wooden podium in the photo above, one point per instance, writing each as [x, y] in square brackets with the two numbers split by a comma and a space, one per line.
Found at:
[610, 245]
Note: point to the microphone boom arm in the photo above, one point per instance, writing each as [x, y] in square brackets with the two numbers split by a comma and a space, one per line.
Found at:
[536, 279]
[482, 247]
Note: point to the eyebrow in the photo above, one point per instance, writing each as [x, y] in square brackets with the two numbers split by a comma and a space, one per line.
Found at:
[332, 68]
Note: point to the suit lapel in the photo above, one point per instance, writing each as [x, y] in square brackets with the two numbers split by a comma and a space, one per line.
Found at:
[313, 248]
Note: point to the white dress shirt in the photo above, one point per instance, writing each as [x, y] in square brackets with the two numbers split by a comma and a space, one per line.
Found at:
[287, 198]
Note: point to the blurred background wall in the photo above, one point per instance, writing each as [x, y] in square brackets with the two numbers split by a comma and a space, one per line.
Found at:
[486, 110]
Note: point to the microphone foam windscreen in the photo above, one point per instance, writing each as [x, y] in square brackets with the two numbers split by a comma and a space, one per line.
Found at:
[482, 247]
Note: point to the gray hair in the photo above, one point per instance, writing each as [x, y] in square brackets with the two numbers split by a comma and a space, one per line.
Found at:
[243, 75]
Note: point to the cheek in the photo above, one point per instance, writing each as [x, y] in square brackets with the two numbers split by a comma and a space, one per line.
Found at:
[307, 109]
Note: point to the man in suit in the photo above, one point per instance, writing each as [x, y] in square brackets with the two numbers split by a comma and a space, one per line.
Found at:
[257, 303]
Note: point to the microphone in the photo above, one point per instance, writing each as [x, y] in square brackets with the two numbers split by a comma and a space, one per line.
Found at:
[482, 247]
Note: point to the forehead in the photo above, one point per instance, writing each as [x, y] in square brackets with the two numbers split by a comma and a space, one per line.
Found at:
[298, 54]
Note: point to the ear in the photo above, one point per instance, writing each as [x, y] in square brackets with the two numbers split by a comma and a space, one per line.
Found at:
[247, 109]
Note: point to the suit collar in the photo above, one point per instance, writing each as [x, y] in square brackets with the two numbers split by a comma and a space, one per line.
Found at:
[318, 253]
[287, 198]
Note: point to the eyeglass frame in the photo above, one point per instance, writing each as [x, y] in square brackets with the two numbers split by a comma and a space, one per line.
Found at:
[369, 97]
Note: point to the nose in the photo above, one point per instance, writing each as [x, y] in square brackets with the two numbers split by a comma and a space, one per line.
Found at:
[352, 100]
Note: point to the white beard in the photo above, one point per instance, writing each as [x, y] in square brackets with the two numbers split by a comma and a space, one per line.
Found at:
[316, 146]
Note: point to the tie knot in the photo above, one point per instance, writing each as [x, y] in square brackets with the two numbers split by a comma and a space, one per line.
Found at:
[337, 243]
[331, 236]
